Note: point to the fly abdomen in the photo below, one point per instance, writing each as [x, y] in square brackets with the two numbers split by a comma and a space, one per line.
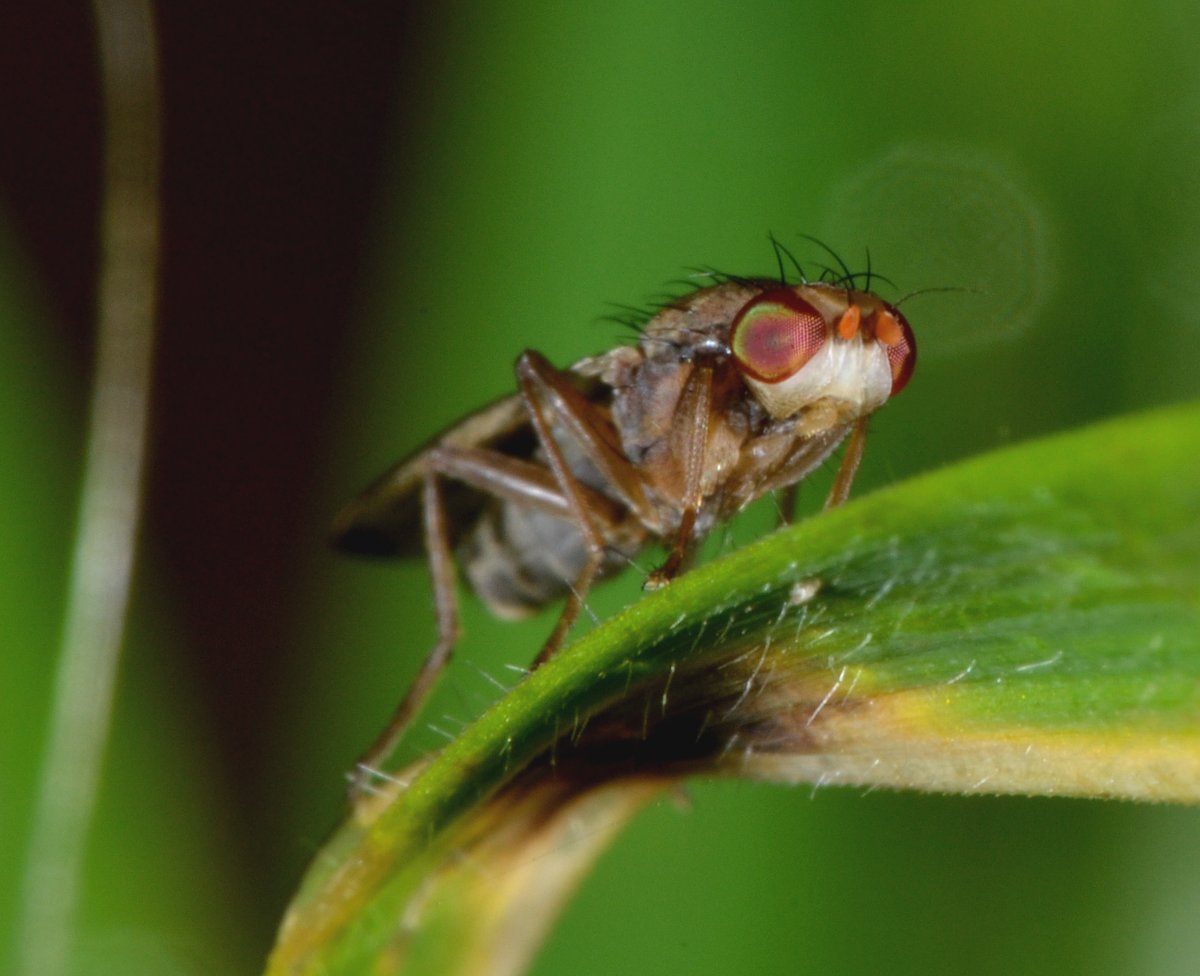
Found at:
[518, 559]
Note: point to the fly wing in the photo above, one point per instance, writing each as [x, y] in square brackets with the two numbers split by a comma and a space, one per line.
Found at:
[385, 520]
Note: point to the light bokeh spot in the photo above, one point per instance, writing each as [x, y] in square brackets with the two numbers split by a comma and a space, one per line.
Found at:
[934, 218]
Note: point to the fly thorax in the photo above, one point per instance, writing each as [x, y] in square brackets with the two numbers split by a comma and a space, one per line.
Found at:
[644, 413]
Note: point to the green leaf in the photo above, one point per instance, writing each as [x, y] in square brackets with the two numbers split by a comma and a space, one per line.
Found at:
[1024, 622]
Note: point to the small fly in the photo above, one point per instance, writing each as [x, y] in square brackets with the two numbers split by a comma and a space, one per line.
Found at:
[736, 390]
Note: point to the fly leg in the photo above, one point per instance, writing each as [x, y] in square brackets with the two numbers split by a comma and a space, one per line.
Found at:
[849, 466]
[787, 505]
[545, 390]
[695, 406]
[499, 475]
[445, 602]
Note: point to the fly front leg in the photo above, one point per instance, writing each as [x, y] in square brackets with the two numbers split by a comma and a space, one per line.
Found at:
[695, 409]
[445, 602]
[849, 466]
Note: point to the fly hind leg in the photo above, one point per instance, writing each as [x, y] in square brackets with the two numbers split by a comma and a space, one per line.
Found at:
[445, 602]
[505, 478]
[533, 385]
[547, 393]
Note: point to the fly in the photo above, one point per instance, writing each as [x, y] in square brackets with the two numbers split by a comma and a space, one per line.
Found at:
[736, 390]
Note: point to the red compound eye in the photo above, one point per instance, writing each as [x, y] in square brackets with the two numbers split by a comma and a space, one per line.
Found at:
[893, 331]
[775, 335]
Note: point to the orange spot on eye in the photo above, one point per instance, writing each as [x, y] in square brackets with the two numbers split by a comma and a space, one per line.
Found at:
[848, 323]
[887, 329]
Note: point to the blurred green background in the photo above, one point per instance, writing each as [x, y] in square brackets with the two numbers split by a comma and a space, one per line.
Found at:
[369, 214]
